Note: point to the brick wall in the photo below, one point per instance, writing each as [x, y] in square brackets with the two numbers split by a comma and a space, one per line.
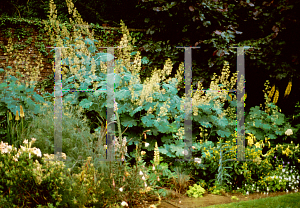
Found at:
[31, 50]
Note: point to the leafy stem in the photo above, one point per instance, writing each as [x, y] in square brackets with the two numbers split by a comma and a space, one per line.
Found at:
[222, 170]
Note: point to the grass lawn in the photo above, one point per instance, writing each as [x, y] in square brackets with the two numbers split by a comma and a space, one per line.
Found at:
[284, 201]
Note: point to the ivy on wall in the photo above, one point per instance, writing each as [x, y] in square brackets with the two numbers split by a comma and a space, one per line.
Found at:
[23, 45]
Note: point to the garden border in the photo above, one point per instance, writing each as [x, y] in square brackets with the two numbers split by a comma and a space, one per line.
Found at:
[188, 122]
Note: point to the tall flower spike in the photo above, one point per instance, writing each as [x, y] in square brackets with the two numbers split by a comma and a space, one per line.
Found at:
[17, 116]
[276, 96]
[156, 155]
[21, 111]
[271, 93]
[288, 89]
[9, 116]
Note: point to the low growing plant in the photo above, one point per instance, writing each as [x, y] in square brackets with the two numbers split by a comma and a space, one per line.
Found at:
[195, 191]
[27, 179]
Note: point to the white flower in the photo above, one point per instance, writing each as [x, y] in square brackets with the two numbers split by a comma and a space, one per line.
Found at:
[124, 204]
[141, 173]
[289, 132]
[185, 152]
[143, 152]
[37, 151]
[4, 150]
[64, 156]
[33, 140]
[143, 178]
[145, 184]
[153, 167]
[25, 141]
[116, 106]
[121, 189]
[147, 144]
[197, 160]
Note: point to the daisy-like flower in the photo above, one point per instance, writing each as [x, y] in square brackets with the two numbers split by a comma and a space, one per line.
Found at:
[147, 144]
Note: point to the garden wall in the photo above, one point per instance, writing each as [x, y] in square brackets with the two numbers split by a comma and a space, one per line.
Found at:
[30, 40]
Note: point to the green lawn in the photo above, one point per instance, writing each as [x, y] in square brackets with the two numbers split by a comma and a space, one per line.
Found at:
[284, 201]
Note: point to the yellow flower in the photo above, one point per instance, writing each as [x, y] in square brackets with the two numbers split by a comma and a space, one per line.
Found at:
[21, 112]
[257, 145]
[10, 116]
[17, 116]
[156, 155]
[288, 151]
[250, 141]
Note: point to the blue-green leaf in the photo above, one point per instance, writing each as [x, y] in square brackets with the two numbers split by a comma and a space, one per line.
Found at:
[145, 60]
[104, 57]
[147, 120]
[128, 121]
[85, 103]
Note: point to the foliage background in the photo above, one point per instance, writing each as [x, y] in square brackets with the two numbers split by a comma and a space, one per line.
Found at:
[214, 25]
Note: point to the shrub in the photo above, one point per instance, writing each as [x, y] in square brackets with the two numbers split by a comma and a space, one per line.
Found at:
[195, 191]
[77, 141]
[27, 179]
